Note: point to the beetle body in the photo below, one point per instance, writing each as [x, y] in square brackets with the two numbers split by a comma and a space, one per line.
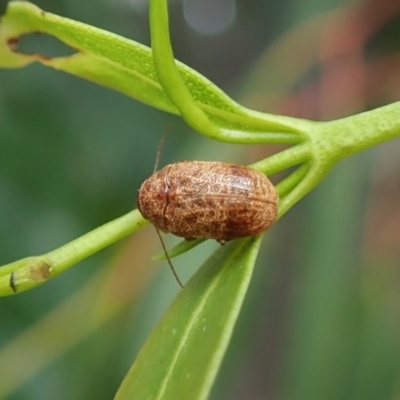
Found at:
[212, 200]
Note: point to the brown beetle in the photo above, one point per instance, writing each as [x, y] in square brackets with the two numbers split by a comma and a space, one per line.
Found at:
[212, 200]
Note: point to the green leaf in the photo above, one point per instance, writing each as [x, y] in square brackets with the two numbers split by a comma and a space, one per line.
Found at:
[101, 56]
[127, 66]
[182, 247]
[182, 356]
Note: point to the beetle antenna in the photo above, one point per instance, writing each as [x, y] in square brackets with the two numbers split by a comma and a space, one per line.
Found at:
[160, 146]
[158, 155]
[168, 259]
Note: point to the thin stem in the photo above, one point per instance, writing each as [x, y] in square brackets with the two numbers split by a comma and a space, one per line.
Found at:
[168, 73]
[175, 88]
[285, 159]
[245, 137]
[286, 186]
[313, 177]
[31, 272]
[182, 247]
[344, 137]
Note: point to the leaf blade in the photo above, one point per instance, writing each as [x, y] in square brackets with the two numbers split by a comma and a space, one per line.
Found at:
[127, 66]
[182, 356]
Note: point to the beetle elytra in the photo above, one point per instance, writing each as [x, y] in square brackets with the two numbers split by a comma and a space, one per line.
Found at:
[212, 200]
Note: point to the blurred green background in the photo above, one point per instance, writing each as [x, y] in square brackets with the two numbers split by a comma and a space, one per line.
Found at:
[321, 320]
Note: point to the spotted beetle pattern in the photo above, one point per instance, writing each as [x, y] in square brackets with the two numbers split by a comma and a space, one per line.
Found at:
[212, 200]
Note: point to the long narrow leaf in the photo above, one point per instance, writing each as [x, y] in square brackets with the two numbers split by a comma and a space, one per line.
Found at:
[180, 360]
[123, 65]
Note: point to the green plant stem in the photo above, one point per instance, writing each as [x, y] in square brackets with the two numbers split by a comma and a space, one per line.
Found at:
[175, 88]
[329, 143]
[344, 137]
[33, 271]
[288, 184]
[285, 159]
[168, 74]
